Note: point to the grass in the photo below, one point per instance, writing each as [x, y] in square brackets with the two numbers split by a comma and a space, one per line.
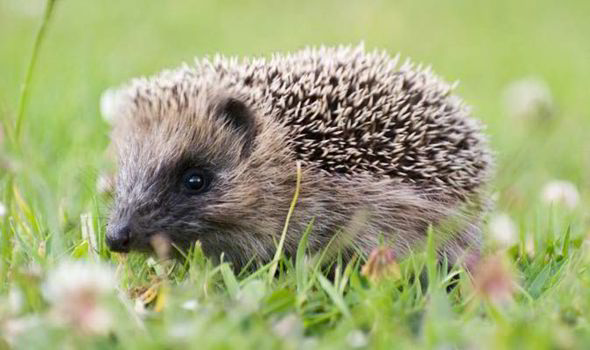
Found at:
[54, 213]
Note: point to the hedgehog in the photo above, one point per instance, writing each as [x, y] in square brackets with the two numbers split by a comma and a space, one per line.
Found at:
[379, 152]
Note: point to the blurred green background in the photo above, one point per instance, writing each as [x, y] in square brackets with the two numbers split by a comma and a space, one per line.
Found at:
[485, 45]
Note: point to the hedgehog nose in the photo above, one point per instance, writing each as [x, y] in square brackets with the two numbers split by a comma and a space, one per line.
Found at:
[119, 239]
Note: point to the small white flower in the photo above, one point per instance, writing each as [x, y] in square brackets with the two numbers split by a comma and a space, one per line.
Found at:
[529, 98]
[2, 210]
[357, 339]
[190, 305]
[503, 230]
[75, 291]
[494, 279]
[181, 330]
[289, 326]
[140, 308]
[73, 277]
[15, 300]
[561, 192]
[12, 329]
[110, 103]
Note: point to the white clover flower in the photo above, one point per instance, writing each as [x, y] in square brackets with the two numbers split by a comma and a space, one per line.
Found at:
[181, 330]
[15, 300]
[75, 291]
[12, 329]
[357, 339]
[140, 308]
[494, 280]
[289, 326]
[72, 277]
[529, 98]
[503, 230]
[190, 305]
[2, 210]
[561, 192]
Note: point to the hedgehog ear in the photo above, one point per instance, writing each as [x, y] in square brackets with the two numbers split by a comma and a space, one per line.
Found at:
[239, 117]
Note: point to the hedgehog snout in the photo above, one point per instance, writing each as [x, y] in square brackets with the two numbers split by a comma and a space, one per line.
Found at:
[121, 229]
[118, 237]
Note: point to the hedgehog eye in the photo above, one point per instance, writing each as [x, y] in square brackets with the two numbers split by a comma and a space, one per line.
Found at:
[195, 181]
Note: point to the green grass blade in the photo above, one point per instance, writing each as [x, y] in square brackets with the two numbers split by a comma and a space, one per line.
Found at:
[300, 266]
[277, 257]
[24, 93]
[230, 280]
[334, 296]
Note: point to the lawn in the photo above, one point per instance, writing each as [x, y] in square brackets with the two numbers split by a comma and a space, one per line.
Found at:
[523, 66]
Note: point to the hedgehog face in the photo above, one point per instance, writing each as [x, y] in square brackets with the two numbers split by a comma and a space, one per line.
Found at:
[183, 172]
